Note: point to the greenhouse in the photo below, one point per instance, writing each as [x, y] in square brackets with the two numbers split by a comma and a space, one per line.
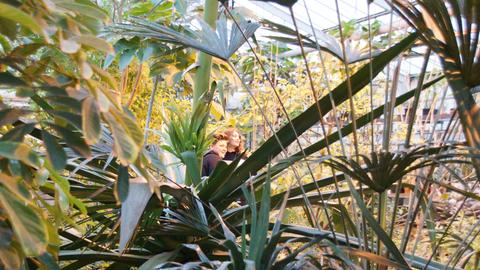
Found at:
[205, 134]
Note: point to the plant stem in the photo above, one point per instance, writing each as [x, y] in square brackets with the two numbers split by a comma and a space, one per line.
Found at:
[202, 76]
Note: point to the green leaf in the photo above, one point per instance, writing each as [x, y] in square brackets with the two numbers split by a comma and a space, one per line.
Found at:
[235, 254]
[48, 261]
[63, 188]
[125, 59]
[219, 43]
[7, 79]
[17, 15]
[55, 152]
[158, 259]
[73, 140]
[25, 50]
[382, 235]
[226, 231]
[19, 151]
[139, 194]
[189, 158]
[259, 237]
[28, 225]
[71, 118]
[121, 186]
[91, 120]
[126, 147]
[17, 133]
[95, 42]
[91, 11]
[8, 29]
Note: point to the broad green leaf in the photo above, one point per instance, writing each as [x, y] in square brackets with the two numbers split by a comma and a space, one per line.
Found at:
[125, 58]
[106, 77]
[61, 101]
[25, 50]
[14, 14]
[71, 118]
[73, 140]
[17, 133]
[91, 120]
[125, 148]
[139, 194]
[29, 226]
[226, 231]
[7, 79]
[91, 11]
[121, 186]
[8, 29]
[139, 9]
[55, 152]
[131, 126]
[108, 60]
[189, 158]
[235, 254]
[259, 238]
[63, 187]
[19, 151]
[48, 261]
[158, 259]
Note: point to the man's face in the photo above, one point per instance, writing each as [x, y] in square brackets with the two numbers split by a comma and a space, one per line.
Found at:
[220, 148]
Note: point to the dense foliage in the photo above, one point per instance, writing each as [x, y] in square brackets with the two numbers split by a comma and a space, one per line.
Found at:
[102, 144]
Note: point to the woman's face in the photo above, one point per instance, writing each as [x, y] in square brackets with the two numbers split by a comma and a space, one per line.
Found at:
[220, 148]
[234, 139]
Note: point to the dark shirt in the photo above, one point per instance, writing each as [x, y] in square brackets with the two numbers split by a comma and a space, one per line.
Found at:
[210, 161]
[231, 155]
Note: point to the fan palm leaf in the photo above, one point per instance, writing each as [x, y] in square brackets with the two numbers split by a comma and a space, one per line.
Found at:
[380, 171]
[450, 29]
[218, 43]
[326, 43]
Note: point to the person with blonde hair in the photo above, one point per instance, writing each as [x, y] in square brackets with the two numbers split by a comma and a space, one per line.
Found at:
[217, 152]
[235, 146]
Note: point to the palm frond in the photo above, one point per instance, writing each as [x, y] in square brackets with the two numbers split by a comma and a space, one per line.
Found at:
[218, 43]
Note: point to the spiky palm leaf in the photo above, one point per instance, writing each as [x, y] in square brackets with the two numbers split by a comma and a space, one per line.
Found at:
[353, 52]
[381, 170]
[450, 28]
[218, 43]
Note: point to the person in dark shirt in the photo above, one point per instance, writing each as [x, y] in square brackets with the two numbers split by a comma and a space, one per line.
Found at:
[235, 145]
[215, 154]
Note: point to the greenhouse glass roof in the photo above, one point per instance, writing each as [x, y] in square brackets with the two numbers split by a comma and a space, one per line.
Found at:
[322, 12]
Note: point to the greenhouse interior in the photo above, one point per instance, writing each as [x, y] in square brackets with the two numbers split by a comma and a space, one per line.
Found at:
[205, 134]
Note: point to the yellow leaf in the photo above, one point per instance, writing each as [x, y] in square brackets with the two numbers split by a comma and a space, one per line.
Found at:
[94, 42]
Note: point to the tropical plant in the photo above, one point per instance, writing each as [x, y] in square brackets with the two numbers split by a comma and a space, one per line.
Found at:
[133, 214]
[186, 138]
[223, 186]
[449, 29]
[65, 100]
